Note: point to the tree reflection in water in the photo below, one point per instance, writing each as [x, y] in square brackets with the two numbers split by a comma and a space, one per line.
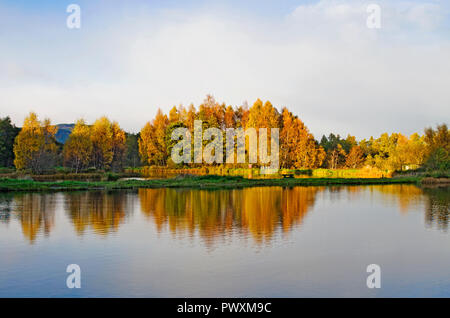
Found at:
[99, 210]
[36, 213]
[437, 207]
[214, 214]
[259, 213]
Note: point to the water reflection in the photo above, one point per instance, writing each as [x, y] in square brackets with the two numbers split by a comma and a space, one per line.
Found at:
[36, 213]
[5, 209]
[437, 207]
[405, 196]
[258, 213]
[101, 211]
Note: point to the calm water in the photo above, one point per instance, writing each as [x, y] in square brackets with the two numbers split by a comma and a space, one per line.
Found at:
[302, 241]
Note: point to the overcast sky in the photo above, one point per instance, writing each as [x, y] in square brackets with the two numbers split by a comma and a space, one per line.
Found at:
[318, 58]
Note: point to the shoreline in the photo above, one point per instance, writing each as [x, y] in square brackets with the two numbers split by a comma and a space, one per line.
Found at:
[193, 182]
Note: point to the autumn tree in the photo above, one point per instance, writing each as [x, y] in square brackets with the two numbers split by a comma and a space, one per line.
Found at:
[336, 157]
[416, 149]
[77, 150]
[169, 142]
[383, 148]
[146, 143]
[262, 115]
[182, 111]
[298, 148]
[439, 138]
[229, 118]
[152, 141]
[35, 146]
[438, 148]
[366, 146]
[190, 118]
[241, 115]
[355, 158]
[394, 152]
[336, 154]
[174, 115]
[211, 113]
[102, 143]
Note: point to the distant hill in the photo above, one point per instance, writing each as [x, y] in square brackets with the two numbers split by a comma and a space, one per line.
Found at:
[63, 133]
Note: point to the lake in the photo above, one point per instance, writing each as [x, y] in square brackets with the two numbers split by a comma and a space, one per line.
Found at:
[253, 242]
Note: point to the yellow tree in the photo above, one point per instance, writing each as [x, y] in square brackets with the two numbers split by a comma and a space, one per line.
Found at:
[254, 115]
[287, 139]
[384, 151]
[241, 114]
[439, 138]
[174, 115]
[262, 116]
[190, 118]
[398, 156]
[211, 112]
[102, 143]
[336, 157]
[183, 113]
[152, 143]
[145, 139]
[78, 147]
[35, 146]
[416, 149]
[408, 152]
[437, 148]
[298, 148]
[229, 118]
[313, 156]
[355, 158]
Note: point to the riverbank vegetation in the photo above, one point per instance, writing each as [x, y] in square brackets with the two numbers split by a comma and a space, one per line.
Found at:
[202, 182]
[104, 147]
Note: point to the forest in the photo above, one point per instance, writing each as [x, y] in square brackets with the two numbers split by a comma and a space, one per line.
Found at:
[105, 146]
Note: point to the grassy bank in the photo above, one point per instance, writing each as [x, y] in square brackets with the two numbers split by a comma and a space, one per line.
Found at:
[163, 172]
[199, 182]
[87, 177]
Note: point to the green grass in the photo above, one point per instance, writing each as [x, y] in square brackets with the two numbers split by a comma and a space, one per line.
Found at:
[199, 182]
[4, 170]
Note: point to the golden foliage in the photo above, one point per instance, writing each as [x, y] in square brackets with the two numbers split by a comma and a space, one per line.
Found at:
[355, 158]
[35, 147]
[77, 150]
[102, 142]
[298, 148]
[152, 142]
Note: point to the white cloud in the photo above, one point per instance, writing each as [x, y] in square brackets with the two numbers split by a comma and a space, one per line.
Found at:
[427, 16]
[321, 61]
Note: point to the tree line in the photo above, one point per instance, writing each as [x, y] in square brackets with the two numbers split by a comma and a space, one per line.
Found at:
[104, 145]
[100, 146]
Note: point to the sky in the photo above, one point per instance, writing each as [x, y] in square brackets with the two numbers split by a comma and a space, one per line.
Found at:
[316, 57]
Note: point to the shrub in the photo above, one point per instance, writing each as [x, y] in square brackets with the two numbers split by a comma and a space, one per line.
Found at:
[438, 160]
